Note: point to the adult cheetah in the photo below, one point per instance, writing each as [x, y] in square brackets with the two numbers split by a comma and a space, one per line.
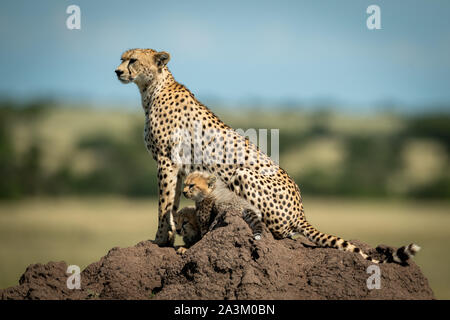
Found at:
[183, 136]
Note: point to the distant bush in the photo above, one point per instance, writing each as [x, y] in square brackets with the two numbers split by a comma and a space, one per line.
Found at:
[434, 126]
[19, 175]
[121, 169]
[369, 161]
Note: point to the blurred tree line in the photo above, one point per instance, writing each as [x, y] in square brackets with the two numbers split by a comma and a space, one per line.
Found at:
[409, 162]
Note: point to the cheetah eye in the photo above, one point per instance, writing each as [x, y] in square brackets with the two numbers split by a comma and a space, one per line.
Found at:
[132, 61]
[191, 186]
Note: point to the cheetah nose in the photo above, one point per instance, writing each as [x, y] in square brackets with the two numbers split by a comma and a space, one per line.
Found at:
[119, 72]
[185, 193]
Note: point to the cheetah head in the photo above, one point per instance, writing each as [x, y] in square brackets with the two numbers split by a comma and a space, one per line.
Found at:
[142, 66]
[185, 221]
[198, 185]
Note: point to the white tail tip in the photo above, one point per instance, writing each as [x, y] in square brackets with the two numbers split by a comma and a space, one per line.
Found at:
[414, 248]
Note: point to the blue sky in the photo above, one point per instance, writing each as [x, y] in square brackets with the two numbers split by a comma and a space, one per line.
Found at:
[235, 51]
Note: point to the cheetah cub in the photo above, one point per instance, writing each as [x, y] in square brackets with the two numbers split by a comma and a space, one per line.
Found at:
[211, 196]
[187, 226]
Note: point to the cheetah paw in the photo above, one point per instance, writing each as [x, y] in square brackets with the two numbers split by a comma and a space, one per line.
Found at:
[181, 250]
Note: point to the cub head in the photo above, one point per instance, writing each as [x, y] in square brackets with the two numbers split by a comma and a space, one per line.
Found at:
[142, 66]
[186, 222]
[198, 185]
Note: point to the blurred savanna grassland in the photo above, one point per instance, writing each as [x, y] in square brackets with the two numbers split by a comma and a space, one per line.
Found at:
[77, 180]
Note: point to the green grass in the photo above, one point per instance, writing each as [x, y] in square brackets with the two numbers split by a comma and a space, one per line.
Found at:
[81, 230]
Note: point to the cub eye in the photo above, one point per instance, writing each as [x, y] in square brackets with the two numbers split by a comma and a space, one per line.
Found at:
[132, 61]
[191, 186]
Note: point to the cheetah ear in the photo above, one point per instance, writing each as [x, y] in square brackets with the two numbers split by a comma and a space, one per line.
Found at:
[161, 58]
[211, 181]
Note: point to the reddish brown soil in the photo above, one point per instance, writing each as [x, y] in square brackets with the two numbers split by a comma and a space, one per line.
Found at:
[226, 264]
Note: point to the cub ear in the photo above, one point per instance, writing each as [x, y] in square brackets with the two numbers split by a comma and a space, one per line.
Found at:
[211, 181]
[161, 58]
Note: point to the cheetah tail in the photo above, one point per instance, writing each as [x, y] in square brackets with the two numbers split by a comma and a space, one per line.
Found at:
[400, 256]
[404, 253]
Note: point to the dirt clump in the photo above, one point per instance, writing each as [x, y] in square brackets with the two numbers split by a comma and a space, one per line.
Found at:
[226, 264]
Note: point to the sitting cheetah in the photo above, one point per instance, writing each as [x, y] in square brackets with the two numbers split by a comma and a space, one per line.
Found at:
[184, 136]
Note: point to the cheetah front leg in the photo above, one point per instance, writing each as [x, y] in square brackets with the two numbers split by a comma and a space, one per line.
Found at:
[169, 185]
[178, 189]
